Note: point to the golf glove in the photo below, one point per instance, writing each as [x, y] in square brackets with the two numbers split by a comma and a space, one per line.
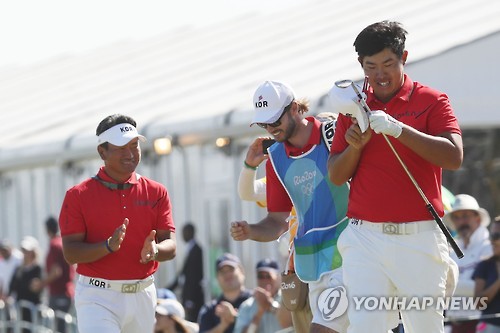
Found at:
[381, 122]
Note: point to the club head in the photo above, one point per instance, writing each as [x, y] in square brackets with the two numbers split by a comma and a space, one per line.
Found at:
[343, 83]
[345, 100]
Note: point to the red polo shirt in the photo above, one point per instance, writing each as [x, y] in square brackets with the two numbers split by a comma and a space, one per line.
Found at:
[380, 189]
[96, 211]
[277, 197]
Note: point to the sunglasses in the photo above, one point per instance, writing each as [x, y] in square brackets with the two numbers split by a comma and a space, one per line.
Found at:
[495, 236]
[277, 122]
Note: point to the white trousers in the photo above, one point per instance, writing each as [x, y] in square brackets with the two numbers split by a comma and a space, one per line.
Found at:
[327, 280]
[376, 263]
[111, 311]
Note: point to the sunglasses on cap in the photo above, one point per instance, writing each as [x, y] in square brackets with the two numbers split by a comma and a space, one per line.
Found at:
[277, 122]
[495, 236]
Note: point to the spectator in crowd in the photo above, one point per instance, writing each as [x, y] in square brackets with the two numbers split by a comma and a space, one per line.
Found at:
[170, 318]
[263, 312]
[12, 258]
[191, 275]
[487, 283]
[470, 223]
[22, 285]
[219, 315]
[59, 275]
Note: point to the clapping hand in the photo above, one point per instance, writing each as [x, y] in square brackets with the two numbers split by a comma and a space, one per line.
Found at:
[114, 242]
[149, 249]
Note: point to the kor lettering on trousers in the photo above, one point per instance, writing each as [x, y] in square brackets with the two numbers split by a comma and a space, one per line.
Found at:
[97, 283]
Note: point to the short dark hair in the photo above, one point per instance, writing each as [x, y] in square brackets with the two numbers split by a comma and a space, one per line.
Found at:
[111, 121]
[378, 36]
[52, 225]
[189, 227]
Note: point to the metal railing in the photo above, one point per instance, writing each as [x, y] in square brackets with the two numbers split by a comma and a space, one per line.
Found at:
[42, 319]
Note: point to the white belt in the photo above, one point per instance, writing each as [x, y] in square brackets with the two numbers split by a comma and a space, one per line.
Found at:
[389, 228]
[128, 287]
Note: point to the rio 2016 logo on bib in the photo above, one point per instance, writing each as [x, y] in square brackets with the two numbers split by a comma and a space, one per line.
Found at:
[333, 302]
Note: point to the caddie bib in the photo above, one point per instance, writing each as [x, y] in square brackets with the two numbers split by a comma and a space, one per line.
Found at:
[320, 206]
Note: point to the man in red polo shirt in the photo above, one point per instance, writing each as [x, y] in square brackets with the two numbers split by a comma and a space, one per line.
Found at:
[117, 226]
[392, 245]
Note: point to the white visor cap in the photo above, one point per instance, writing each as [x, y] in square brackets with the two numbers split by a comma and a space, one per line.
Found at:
[119, 135]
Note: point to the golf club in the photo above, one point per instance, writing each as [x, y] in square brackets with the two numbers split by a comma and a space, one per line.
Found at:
[361, 101]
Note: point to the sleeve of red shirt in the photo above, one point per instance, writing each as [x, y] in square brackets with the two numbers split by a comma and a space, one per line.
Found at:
[339, 144]
[165, 219]
[277, 197]
[442, 119]
[71, 220]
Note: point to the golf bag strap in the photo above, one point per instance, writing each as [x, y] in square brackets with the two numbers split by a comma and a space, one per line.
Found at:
[327, 131]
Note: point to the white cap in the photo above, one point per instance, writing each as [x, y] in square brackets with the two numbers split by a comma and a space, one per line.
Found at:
[170, 306]
[466, 202]
[344, 101]
[29, 243]
[270, 99]
[119, 135]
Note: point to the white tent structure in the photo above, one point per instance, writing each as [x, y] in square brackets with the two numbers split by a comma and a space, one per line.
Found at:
[197, 84]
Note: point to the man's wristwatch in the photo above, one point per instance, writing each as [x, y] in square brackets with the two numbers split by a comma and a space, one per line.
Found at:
[275, 305]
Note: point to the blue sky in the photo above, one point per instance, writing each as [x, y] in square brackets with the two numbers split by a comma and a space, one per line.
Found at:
[34, 30]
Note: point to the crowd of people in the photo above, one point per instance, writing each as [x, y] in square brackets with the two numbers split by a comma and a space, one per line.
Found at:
[24, 275]
[347, 187]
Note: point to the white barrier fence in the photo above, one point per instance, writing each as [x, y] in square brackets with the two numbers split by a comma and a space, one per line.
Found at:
[13, 318]
[45, 319]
